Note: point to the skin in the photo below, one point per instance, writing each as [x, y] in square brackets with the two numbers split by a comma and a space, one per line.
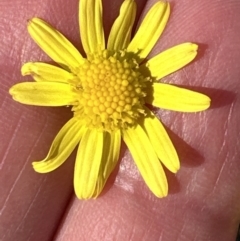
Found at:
[203, 201]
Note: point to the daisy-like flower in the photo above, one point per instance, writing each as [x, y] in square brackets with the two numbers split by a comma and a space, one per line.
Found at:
[109, 90]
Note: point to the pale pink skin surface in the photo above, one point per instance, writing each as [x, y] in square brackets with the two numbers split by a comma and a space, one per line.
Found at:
[203, 201]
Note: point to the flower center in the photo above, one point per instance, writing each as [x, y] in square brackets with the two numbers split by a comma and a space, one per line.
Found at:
[111, 90]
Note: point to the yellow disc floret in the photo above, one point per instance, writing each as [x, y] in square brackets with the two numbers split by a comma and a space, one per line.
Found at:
[110, 90]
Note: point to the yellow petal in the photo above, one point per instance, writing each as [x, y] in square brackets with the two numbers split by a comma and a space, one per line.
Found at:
[120, 33]
[54, 44]
[43, 93]
[46, 72]
[161, 142]
[171, 97]
[146, 160]
[91, 27]
[63, 145]
[171, 60]
[150, 29]
[88, 164]
[111, 149]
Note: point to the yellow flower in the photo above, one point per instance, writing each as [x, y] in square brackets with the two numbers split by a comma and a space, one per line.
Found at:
[108, 91]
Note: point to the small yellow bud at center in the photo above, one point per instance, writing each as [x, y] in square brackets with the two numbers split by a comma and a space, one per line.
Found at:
[111, 92]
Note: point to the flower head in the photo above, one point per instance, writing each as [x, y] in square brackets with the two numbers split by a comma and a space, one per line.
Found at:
[108, 91]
